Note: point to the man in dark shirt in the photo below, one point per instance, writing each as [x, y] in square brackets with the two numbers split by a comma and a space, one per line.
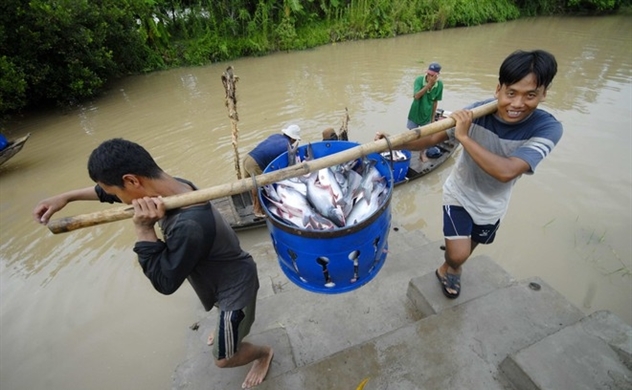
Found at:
[198, 245]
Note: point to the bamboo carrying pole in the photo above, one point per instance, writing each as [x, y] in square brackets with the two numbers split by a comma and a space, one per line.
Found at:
[204, 195]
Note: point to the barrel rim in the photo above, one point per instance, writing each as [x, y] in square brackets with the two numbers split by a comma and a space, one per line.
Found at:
[277, 222]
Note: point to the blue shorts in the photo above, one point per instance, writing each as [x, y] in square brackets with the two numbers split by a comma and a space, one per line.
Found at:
[412, 125]
[232, 327]
[457, 224]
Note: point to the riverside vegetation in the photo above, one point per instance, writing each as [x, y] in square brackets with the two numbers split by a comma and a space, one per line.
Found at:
[65, 52]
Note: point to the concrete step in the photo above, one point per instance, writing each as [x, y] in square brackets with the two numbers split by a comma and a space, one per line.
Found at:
[199, 370]
[593, 354]
[316, 325]
[460, 347]
[400, 332]
[481, 275]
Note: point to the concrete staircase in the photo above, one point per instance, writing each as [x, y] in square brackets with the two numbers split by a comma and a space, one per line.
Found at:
[400, 332]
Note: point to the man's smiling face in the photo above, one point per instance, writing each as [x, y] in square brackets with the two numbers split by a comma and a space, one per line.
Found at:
[517, 101]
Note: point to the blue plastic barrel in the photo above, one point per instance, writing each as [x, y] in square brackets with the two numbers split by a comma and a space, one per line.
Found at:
[338, 260]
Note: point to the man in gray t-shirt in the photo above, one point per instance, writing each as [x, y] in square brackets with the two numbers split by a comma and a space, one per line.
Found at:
[497, 150]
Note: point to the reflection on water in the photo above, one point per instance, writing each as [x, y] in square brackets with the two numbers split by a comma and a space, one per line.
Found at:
[76, 308]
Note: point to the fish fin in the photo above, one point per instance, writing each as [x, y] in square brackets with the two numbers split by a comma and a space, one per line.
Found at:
[309, 153]
[366, 195]
[307, 220]
[342, 203]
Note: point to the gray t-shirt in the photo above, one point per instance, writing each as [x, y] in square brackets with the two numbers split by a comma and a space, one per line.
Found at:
[485, 198]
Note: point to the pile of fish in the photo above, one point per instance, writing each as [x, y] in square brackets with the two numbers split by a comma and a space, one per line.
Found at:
[334, 197]
[397, 155]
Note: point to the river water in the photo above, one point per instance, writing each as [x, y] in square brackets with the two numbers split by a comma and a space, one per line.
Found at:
[76, 310]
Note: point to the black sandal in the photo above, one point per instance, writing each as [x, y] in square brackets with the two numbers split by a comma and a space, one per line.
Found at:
[450, 282]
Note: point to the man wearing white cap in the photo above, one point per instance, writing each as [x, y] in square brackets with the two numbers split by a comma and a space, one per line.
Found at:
[264, 153]
[427, 92]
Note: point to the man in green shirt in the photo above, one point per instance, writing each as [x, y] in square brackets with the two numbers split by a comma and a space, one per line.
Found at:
[427, 92]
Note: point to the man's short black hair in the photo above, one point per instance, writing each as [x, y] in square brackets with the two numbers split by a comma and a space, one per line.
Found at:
[520, 63]
[117, 157]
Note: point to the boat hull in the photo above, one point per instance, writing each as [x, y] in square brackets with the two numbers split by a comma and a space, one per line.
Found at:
[14, 148]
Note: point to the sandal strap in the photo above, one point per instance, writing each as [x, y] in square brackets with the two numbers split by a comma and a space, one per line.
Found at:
[454, 280]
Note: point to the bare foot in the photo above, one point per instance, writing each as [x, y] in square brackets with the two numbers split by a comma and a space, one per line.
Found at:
[211, 338]
[259, 370]
[422, 156]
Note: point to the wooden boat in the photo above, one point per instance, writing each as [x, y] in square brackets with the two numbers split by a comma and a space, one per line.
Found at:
[237, 209]
[13, 148]
[418, 168]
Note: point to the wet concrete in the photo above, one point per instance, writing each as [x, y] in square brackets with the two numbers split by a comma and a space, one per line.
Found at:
[400, 332]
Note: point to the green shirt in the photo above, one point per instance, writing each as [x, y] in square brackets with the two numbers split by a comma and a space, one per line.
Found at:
[421, 109]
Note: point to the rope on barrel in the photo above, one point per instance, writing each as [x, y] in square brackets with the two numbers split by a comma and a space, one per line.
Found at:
[390, 149]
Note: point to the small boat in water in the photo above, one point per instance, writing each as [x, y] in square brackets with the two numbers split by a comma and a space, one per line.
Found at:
[237, 211]
[13, 148]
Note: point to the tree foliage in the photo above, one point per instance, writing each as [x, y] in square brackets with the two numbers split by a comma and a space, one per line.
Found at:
[65, 51]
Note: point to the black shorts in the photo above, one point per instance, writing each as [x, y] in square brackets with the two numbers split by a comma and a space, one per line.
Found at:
[458, 224]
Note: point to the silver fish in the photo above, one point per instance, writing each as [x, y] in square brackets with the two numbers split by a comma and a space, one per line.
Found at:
[327, 179]
[294, 219]
[270, 192]
[370, 176]
[323, 201]
[311, 222]
[309, 152]
[292, 157]
[353, 180]
[286, 212]
[365, 207]
[398, 155]
[296, 206]
[293, 200]
[318, 222]
[295, 183]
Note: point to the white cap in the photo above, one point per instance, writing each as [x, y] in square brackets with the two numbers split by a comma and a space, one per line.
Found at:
[292, 131]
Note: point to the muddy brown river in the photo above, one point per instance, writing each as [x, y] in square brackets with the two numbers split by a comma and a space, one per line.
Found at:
[76, 312]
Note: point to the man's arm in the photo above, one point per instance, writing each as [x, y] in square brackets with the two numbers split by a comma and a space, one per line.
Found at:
[420, 143]
[435, 104]
[430, 82]
[147, 211]
[503, 169]
[167, 264]
[49, 206]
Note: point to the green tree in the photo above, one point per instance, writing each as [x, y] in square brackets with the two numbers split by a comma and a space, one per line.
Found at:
[65, 51]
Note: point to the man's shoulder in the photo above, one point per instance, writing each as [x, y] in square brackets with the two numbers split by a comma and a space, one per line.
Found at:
[544, 116]
[276, 138]
[268, 142]
[276, 135]
[541, 120]
[547, 125]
